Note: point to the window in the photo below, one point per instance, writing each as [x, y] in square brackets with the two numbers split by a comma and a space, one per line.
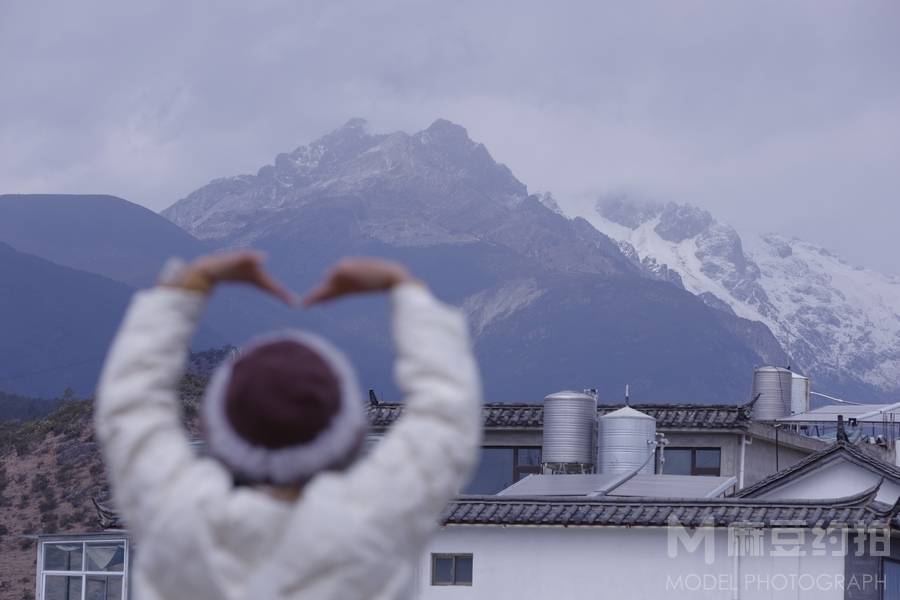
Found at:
[83, 569]
[891, 574]
[499, 468]
[692, 461]
[527, 462]
[451, 569]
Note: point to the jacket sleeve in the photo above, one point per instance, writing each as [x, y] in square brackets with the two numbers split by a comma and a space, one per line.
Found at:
[137, 413]
[399, 490]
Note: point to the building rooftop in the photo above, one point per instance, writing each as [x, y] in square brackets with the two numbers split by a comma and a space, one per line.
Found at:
[531, 416]
[840, 449]
[613, 484]
[860, 510]
[863, 413]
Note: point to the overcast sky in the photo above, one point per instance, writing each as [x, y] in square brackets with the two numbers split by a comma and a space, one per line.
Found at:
[776, 116]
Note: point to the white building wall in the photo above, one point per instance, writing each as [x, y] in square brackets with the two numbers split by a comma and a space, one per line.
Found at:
[838, 479]
[590, 563]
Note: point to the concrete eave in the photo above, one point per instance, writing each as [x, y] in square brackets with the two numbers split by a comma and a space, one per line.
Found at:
[786, 438]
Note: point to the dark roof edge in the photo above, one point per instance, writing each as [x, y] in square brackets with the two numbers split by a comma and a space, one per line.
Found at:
[635, 405]
[850, 451]
[862, 499]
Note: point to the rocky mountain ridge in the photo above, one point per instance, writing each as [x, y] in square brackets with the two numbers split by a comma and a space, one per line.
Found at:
[523, 272]
[433, 187]
[839, 322]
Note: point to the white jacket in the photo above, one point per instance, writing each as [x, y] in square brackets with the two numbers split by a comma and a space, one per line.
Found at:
[353, 535]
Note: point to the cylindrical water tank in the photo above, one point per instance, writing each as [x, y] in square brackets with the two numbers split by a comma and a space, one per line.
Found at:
[772, 385]
[625, 439]
[569, 424]
[799, 393]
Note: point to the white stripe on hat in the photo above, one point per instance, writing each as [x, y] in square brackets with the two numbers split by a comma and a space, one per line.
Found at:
[294, 463]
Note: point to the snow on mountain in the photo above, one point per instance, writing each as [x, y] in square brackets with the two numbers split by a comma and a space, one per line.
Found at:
[349, 161]
[433, 187]
[840, 323]
[553, 302]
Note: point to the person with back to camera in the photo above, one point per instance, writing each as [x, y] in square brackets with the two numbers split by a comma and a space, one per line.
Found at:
[312, 518]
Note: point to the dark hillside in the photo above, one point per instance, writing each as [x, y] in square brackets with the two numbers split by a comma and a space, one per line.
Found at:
[57, 324]
[50, 472]
[105, 235]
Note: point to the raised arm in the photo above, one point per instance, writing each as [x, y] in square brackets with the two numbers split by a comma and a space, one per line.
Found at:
[399, 490]
[137, 413]
[138, 416]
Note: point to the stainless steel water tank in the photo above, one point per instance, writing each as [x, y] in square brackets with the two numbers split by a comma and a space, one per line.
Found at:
[773, 386]
[799, 393]
[569, 428]
[625, 440]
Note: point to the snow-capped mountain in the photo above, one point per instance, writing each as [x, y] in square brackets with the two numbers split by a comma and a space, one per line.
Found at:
[436, 186]
[553, 302]
[839, 322]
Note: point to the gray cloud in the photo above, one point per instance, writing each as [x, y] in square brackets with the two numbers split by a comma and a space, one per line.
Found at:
[773, 115]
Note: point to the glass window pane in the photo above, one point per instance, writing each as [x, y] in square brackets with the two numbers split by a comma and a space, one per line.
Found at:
[105, 557]
[62, 557]
[678, 461]
[463, 570]
[528, 457]
[495, 471]
[708, 458]
[442, 570]
[891, 580]
[103, 587]
[707, 461]
[62, 587]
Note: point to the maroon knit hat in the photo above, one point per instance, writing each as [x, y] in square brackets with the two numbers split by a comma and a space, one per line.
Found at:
[286, 408]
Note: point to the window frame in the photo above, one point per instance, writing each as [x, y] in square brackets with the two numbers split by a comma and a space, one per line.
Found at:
[695, 470]
[83, 573]
[454, 556]
[517, 471]
[884, 561]
[520, 470]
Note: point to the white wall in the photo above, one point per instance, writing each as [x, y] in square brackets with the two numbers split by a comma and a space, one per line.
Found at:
[837, 479]
[523, 563]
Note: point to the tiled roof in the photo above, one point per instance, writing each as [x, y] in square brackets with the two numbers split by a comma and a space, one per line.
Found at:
[842, 449]
[106, 515]
[697, 416]
[531, 416]
[860, 510]
[856, 511]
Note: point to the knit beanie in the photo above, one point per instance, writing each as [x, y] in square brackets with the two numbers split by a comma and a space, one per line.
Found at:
[285, 408]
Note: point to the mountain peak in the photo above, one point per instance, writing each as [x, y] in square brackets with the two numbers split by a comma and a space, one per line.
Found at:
[345, 142]
[679, 222]
[353, 129]
[818, 306]
[447, 131]
[356, 124]
[350, 162]
[627, 211]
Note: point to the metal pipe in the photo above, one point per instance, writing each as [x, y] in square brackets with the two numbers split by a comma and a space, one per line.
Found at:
[741, 467]
[624, 477]
[721, 488]
[880, 411]
[842, 401]
[777, 427]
